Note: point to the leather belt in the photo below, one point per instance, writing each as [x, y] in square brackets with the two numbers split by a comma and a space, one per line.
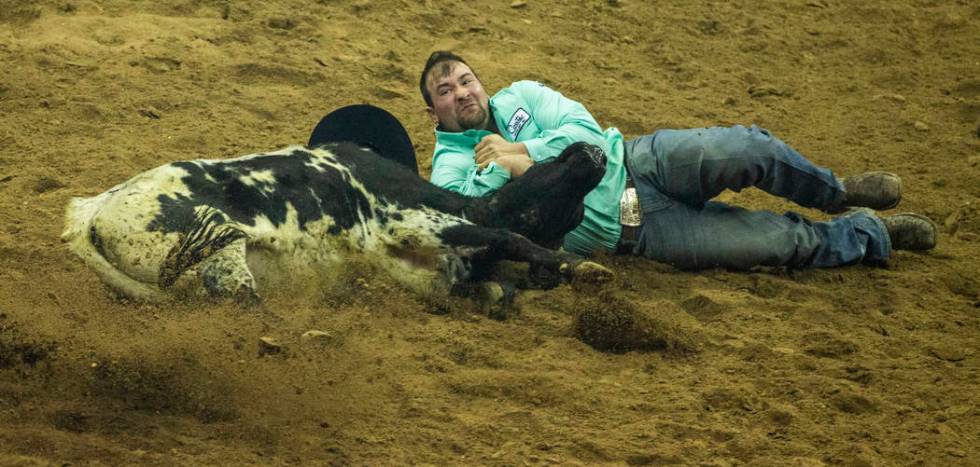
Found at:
[630, 218]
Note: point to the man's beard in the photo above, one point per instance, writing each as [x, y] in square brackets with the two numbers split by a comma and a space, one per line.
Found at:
[474, 120]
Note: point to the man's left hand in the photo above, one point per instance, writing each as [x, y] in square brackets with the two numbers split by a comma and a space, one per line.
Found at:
[511, 156]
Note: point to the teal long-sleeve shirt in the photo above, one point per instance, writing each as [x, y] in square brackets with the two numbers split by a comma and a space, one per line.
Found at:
[546, 122]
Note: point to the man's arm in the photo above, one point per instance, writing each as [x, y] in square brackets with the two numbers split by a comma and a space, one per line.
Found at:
[458, 172]
[510, 156]
[562, 121]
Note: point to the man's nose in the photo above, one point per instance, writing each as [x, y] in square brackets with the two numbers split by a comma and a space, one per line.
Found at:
[462, 93]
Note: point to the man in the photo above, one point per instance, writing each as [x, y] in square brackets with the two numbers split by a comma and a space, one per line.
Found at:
[482, 142]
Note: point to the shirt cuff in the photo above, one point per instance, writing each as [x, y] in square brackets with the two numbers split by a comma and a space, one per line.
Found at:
[538, 150]
[493, 177]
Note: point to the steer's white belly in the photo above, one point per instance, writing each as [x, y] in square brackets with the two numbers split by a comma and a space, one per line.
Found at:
[288, 259]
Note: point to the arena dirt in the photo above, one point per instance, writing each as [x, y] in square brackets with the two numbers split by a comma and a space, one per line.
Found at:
[854, 366]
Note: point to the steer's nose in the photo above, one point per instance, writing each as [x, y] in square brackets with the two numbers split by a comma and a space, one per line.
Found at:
[596, 155]
[583, 155]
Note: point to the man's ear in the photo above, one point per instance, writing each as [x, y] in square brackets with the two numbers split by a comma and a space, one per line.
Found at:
[432, 115]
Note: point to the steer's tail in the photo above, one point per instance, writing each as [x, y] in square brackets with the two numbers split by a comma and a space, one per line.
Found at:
[78, 234]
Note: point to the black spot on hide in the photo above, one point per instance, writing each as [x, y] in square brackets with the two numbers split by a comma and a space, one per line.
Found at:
[221, 185]
[96, 241]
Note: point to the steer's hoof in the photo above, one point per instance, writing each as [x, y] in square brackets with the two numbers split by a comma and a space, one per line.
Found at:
[544, 277]
[592, 273]
[589, 277]
[497, 299]
[494, 299]
[247, 298]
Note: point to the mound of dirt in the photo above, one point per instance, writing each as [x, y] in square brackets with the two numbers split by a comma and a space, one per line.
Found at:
[617, 325]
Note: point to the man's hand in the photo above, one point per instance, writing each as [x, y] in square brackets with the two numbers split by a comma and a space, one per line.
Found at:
[511, 156]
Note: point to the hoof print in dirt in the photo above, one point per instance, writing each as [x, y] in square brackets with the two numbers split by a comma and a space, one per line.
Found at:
[853, 403]
[827, 345]
[71, 421]
[616, 325]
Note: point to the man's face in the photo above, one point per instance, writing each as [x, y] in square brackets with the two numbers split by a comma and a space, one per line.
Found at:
[458, 100]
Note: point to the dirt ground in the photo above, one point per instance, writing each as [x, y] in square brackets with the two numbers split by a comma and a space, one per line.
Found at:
[853, 366]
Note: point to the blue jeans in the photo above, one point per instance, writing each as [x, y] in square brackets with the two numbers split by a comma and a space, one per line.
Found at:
[678, 172]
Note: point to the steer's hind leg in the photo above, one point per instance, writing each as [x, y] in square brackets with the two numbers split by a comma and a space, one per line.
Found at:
[226, 274]
[219, 247]
[547, 266]
[455, 273]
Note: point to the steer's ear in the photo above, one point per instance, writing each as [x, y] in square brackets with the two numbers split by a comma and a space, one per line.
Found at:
[368, 126]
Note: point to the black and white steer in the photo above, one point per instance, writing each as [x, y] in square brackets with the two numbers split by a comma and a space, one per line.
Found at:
[233, 228]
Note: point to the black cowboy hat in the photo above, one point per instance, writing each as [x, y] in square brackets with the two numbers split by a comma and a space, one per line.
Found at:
[369, 126]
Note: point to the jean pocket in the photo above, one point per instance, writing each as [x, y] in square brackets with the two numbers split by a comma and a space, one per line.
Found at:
[659, 202]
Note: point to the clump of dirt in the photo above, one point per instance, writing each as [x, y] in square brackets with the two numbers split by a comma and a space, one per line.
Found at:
[964, 221]
[614, 324]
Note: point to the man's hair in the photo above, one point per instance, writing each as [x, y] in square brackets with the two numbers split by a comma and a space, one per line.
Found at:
[443, 57]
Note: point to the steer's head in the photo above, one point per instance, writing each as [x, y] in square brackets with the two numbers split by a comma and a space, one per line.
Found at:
[545, 203]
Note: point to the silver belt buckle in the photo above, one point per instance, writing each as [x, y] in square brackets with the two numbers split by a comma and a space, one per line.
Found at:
[629, 208]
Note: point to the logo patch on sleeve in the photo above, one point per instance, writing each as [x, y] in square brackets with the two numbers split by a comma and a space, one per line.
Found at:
[517, 122]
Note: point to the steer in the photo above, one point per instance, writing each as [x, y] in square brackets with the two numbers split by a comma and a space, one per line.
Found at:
[233, 228]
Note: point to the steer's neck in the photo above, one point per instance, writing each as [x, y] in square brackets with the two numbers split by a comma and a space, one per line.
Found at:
[480, 212]
[476, 210]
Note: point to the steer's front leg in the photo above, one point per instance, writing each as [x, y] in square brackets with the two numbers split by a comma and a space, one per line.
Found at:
[548, 267]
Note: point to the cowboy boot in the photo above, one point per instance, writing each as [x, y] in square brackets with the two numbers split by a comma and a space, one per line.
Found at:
[875, 190]
[909, 231]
